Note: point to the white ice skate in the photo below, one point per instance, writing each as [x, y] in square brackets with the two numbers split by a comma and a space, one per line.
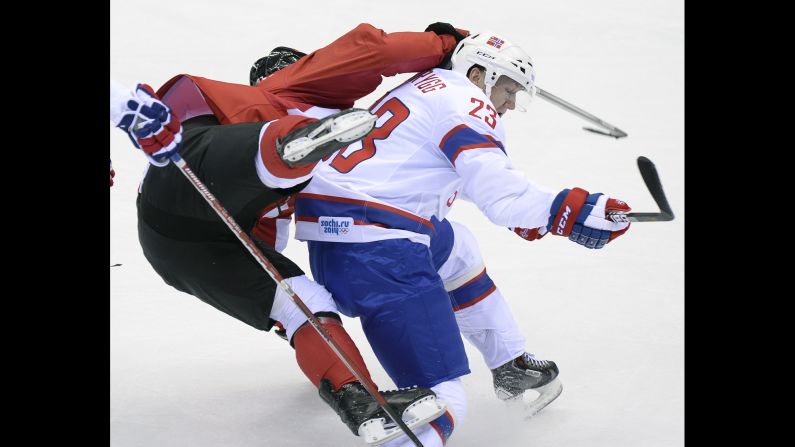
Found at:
[325, 136]
[529, 382]
[536, 399]
[378, 431]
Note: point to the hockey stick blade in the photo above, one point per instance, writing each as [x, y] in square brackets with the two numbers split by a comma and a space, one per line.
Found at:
[617, 135]
[652, 180]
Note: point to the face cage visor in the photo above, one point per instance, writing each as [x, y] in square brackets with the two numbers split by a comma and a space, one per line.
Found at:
[522, 98]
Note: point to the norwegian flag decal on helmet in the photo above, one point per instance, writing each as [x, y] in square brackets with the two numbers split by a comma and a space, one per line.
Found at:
[495, 42]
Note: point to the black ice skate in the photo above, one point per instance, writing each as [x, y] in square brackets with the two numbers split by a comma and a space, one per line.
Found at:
[320, 138]
[525, 372]
[361, 413]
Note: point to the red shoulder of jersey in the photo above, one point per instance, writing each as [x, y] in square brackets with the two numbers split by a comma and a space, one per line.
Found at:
[230, 103]
[351, 67]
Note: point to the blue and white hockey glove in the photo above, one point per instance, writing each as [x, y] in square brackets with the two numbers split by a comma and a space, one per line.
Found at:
[150, 125]
[591, 220]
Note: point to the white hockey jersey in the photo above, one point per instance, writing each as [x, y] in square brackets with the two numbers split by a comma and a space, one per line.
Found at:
[438, 138]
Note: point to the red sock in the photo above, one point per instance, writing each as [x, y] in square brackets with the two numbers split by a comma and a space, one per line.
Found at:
[318, 361]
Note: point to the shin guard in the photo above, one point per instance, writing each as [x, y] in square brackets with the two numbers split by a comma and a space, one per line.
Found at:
[318, 361]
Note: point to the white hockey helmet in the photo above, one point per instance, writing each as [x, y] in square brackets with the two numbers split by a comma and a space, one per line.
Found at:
[498, 56]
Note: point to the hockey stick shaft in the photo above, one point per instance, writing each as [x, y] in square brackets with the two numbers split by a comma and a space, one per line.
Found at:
[649, 217]
[613, 131]
[280, 281]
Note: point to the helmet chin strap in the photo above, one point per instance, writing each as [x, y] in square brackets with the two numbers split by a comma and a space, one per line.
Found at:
[489, 85]
[487, 90]
[490, 81]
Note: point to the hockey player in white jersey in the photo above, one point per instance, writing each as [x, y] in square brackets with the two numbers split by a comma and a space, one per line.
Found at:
[368, 214]
[482, 314]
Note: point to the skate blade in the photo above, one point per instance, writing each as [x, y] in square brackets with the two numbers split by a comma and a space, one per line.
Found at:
[345, 129]
[547, 394]
[376, 431]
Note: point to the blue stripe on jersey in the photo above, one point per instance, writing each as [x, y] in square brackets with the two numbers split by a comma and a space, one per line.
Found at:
[498, 143]
[472, 292]
[444, 426]
[363, 213]
[441, 242]
[461, 138]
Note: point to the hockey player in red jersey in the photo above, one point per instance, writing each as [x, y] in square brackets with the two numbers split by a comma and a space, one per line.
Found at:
[170, 225]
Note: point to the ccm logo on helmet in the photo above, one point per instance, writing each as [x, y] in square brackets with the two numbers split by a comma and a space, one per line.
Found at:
[563, 218]
[484, 54]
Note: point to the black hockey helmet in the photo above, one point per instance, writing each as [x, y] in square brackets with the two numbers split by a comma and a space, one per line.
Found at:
[278, 58]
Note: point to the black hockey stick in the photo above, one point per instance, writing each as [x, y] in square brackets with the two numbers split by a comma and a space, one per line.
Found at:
[612, 131]
[280, 281]
[649, 173]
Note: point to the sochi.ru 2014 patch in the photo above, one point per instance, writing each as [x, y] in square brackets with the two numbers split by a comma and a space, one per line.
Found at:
[335, 226]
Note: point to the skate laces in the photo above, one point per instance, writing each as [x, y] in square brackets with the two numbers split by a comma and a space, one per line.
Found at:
[529, 360]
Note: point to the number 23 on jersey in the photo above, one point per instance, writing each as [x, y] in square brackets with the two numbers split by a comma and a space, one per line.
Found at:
[399, 111]
[345, 163]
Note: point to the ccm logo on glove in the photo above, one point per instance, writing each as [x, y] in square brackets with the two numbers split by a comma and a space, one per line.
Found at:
[563, 218]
